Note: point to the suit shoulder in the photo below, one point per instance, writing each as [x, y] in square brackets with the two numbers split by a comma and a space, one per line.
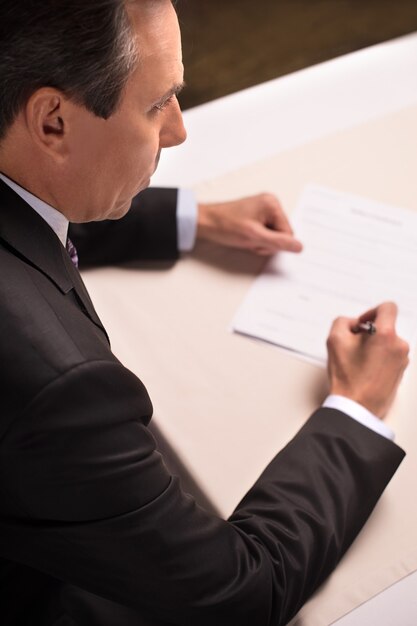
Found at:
[43, 333]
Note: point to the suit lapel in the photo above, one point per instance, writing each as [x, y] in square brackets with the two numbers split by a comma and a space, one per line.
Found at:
[23, 230]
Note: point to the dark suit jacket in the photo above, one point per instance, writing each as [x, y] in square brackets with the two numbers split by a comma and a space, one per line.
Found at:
[93, 528]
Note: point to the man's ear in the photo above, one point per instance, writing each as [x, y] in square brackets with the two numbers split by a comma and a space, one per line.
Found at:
[46, 120]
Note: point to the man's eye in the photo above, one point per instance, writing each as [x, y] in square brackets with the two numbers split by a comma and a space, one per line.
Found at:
[163, 105]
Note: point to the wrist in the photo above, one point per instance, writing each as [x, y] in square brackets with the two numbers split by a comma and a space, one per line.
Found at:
[206, 222]
[372, 404]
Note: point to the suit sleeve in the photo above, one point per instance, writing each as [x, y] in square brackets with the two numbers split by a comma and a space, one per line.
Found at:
[97, 508]
[147, 233]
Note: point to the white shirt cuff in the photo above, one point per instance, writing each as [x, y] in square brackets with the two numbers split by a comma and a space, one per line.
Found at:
[186, 219]
[360, 414]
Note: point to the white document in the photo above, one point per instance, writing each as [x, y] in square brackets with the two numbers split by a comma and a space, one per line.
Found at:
[357, 254]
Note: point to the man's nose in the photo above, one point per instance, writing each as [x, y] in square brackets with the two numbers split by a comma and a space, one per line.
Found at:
[173, 132]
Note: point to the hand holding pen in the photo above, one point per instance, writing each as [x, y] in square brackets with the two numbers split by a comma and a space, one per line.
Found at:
[367, 358]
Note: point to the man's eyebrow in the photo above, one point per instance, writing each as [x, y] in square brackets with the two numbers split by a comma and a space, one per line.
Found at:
[174, 91]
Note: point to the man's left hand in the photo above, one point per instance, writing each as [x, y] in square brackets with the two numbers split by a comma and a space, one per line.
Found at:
[257, 223]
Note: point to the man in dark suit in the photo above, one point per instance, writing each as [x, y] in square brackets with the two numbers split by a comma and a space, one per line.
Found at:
[93, 528]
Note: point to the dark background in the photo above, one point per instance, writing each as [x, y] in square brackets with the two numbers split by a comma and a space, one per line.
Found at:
[233, 44]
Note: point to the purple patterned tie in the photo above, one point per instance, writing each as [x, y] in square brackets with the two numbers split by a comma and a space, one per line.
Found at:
[72, 251]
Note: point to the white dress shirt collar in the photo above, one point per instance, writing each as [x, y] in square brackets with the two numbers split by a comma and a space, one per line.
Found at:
[54, 218]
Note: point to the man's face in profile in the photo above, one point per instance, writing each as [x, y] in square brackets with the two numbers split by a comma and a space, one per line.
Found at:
[110, 161]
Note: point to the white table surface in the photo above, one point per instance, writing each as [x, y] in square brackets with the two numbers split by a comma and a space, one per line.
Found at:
[224, 136]
[396, 606]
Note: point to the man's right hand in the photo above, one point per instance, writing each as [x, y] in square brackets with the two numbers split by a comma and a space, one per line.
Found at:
[367, 368]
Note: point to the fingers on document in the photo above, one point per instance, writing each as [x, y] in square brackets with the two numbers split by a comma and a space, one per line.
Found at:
[270, 241]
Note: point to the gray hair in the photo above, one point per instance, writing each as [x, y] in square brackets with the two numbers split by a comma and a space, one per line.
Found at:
[84, 48]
